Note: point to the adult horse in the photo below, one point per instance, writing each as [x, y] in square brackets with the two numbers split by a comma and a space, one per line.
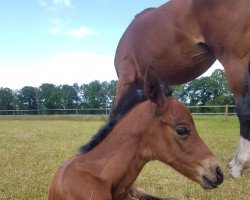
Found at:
[182, 39]
[162, 129]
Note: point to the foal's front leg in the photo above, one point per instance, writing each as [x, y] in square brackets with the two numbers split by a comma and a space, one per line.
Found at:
[139, 194]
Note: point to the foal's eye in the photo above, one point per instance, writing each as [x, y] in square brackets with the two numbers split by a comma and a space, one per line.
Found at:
[182, 131]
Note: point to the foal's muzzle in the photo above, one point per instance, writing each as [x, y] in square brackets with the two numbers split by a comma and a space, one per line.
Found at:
[212, 181]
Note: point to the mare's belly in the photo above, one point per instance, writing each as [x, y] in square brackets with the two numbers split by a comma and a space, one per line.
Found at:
[181, 68]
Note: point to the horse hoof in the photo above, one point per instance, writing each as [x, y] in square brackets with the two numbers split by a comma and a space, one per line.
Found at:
[236, 173]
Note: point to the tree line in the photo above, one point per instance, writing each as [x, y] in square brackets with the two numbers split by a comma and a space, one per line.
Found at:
[48, 96]
[211, 90]
[206, 91]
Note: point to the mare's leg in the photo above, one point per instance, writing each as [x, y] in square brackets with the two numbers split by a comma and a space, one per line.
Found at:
[242, 157]
[139, 194]
[238, 77]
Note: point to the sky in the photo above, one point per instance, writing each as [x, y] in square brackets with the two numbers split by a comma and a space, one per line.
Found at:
[63, 41]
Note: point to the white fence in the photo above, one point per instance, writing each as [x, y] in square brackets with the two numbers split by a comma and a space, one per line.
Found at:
[195, 110]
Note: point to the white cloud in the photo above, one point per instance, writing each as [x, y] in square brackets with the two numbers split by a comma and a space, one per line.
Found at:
[78, 33]
[55, 31]
[66, 3]
[42, 3]
[76, 67]
[81, 32]
[60, 23]
[58, 26]
[56, 5]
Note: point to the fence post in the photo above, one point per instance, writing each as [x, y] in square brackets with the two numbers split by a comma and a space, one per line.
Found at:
[226, 113]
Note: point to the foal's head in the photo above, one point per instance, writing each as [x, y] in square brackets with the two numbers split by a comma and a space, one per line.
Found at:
[172, 138]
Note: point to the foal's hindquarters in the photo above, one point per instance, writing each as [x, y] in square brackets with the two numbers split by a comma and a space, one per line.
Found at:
[160, 128]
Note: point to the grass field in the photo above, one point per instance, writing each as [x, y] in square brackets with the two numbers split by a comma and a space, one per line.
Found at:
[31, 149]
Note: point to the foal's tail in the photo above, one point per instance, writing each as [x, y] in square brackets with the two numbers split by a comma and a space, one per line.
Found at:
[140, 194]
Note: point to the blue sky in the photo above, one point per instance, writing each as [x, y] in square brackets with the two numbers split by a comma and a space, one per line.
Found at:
[62, 41]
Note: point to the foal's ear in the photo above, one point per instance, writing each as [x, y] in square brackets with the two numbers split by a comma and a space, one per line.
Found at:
[152, 87]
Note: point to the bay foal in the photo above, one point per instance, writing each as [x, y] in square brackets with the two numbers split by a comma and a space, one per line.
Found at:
[181, 39]
[160, 128]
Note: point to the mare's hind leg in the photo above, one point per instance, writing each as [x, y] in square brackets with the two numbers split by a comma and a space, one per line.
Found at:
[140, 194]
[238, 77]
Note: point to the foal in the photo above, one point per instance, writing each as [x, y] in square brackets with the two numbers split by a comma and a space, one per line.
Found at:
[160, 128]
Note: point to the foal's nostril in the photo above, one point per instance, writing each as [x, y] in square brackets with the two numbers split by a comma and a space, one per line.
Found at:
[219, 175]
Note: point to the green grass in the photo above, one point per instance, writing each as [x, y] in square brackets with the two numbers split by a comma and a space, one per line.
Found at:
[31, 149]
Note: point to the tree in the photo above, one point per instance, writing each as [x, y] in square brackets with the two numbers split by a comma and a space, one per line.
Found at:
[97, 94]
[7, 99]
[111, 92]
[180, 93]
[222, 94]
[69, 97]
[204, 91]
[93, 95]
[211, 90]
[50, 97]
[200, 91]
[27, 98]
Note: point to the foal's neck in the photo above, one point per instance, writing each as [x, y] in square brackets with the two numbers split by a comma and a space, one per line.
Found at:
[121, 156]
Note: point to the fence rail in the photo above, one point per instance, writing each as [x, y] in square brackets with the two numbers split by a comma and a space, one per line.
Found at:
[213, 110]
[195, 110]
[92, 111]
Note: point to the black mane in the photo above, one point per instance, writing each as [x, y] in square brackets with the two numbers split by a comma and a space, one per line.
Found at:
[97, 138]
[134, 96]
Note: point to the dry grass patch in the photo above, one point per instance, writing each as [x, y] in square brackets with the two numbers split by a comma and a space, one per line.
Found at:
[33, 148]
